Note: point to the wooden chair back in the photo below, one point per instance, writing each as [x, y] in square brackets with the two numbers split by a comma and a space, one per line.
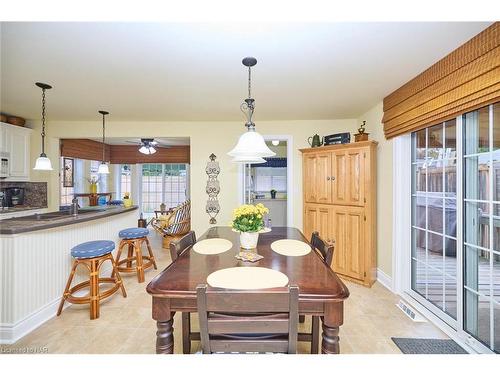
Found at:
[324, 248]
[181, 245]
[246, 321]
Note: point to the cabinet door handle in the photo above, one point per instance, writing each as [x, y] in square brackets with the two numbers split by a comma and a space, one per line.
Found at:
[333, 178]
[328, 178]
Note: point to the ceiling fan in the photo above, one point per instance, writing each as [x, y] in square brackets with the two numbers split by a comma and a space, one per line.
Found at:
[148, 146]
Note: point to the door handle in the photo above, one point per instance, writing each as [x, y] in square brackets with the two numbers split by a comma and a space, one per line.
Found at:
[333, 178]
[328, 178]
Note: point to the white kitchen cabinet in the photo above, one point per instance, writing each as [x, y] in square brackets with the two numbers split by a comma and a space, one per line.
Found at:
[16, 141]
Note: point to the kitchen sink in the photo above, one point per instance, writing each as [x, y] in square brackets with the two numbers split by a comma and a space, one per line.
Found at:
[49, 216]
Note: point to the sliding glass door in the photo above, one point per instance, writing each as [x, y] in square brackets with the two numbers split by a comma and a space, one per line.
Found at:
[434, 218]
[481, 266]
[455, 223]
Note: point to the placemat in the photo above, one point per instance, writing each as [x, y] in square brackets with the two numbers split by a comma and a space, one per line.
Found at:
[291, 248]
[247, 278]
[212, 246]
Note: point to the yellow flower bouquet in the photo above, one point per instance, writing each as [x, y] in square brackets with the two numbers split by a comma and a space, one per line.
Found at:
[248, 219]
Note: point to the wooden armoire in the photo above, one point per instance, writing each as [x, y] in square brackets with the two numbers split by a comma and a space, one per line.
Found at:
[339, 185]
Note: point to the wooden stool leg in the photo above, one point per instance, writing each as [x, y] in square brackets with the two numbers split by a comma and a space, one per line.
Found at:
[150, 251]
[94, 289]
[118, 276]
[118, 256]
[68, 285]
[131, 246]
[186, 333]
[138, 261]
[315, 335]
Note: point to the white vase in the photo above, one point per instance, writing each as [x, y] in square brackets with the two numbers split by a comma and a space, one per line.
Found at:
[248, 240]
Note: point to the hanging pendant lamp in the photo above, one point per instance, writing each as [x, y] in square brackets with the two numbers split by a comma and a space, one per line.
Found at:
[103, 167]
[43, 162]
[251, 147]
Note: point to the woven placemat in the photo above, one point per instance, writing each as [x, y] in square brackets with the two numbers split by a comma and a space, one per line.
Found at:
[247, 278]
[291, 248]
[212, 246]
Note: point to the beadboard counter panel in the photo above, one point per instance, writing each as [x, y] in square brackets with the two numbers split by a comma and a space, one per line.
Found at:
[34, 267]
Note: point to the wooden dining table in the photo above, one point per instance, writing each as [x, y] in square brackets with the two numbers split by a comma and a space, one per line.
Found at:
[321, 292]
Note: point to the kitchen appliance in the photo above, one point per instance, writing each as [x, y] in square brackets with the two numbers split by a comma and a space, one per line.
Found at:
[316, 142]
[334, 139]
[4, 164]
[14, 196]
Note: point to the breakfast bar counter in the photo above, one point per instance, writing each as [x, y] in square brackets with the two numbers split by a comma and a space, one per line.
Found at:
[35, 261]
[58, 219]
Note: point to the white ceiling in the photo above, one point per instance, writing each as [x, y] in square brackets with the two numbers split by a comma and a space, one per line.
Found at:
[174, 71]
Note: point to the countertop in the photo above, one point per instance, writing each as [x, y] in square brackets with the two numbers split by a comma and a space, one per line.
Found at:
[8, 210]
[44, 221]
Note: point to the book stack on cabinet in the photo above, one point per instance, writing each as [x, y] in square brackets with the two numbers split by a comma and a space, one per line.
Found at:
[340, 198]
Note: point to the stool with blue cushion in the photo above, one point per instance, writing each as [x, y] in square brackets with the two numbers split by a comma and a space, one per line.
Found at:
[92, 254]
[134, 262]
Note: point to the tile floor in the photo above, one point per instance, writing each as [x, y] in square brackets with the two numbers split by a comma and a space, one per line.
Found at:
[125, 324]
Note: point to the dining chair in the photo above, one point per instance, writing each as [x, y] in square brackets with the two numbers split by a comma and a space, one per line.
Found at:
[325, 251]
[177, 248]
[248, 321]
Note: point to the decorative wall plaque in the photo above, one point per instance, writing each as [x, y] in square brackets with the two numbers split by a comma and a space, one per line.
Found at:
[213, 188]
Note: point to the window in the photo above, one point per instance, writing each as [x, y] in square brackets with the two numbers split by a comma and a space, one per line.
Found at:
[163, 183]
[125, 180]
[152, 178]
[267, 178]
[448, 271]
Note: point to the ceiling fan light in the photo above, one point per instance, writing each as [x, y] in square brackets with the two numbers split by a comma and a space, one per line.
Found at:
[251, 144]
[275, 142]
[103, 168]
[152, 150]
[43, 163]
[144, 150]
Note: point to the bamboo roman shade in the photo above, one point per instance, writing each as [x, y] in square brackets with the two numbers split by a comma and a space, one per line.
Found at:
[466, 79]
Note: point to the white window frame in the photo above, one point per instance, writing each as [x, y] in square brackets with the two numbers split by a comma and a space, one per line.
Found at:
[401, 254]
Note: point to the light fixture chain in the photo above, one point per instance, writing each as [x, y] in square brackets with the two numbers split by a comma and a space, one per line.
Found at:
[103, 129]
[43, 121]
[249, 83]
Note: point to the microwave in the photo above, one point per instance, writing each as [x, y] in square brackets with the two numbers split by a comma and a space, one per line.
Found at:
[4, 164]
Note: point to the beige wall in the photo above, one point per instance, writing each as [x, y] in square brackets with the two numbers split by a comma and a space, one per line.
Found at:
[374, 126]
[206, 137]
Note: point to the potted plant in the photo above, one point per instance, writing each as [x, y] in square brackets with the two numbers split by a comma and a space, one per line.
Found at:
[248, 219]
[273, 194]
[127, 202]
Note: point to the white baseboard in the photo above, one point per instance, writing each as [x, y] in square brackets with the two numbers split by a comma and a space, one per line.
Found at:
[10, 333]
[384, 279]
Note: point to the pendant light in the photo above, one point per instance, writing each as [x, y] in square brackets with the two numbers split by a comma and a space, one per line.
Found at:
[251, 147]
[103, 167]
[43, 162]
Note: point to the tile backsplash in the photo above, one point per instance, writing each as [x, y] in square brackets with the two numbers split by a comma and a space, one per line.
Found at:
[35, 193]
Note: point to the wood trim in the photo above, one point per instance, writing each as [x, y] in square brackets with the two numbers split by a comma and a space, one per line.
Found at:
[131, 155]
[338, 147]
[121, 154]
[464, 80]
[83, 149]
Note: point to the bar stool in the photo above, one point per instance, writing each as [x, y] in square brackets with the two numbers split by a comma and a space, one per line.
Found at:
[92, 254]
[134, 238]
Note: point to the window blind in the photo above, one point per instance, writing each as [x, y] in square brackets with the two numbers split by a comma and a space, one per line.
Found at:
[464, 80]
